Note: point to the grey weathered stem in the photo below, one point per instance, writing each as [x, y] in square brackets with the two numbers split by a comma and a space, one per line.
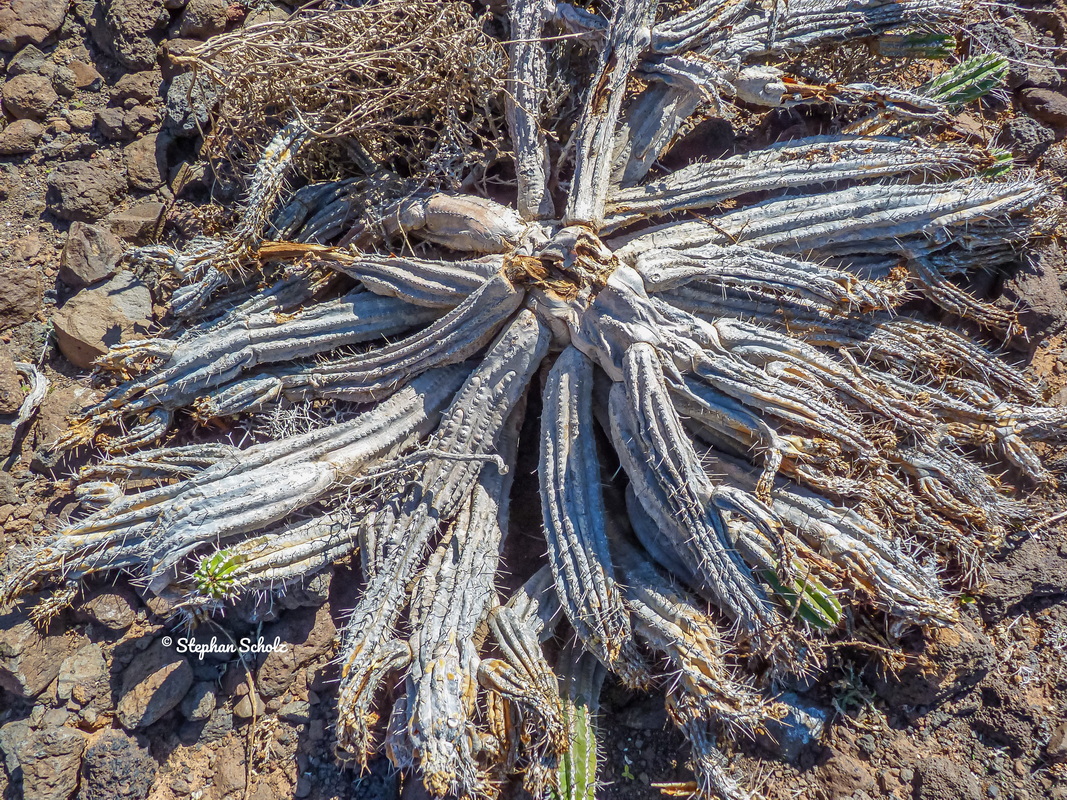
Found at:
[526, 88]
[859, 219]
[419, 281]
[227, 354]
[806, 162]
[673, 488]
[451, 602]
[573, 507]
[628, 35]
[471, 427]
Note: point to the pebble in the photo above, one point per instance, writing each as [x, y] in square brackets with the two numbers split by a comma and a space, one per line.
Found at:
[146, 162]
[86, 76]
[802, 726]
[53, 413]
[1048, 106]
[29, 59]
[204, 18]
[189, 103]
[218, 726]
[64, 81]
[308, 634]
[845, 775]
[80, 119]
[1057, 745]
[940, 778]
[10, 181]
[11, 396]
[243, 708]
[139, 223]
[1025, 137]
[298, 712]
[142, 87]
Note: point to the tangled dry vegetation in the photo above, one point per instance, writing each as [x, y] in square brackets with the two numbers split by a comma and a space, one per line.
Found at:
[747, 442]
[403, 84]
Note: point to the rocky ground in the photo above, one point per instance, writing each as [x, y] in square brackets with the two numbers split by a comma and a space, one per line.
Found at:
[99, 153]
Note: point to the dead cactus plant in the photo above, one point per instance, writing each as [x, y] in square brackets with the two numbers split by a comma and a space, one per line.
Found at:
[796, 448]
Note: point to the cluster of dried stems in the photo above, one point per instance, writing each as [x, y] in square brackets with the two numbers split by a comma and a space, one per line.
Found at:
[747, 444]
[404, 81]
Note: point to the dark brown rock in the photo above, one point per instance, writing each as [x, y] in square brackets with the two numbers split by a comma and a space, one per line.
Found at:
[1036, 568]
[138, 223]
[204, 18]
[124, 124]
[24, 22]
[20, 294]
[152, 685]
[1028, 66]
[10, 181]
[799, 729]
[80, 119]
[84, 678]
[140, 118]
[940, 779]
[59, 404]
[111, 122]
[12, 736]
[1007, 718]
[248, 706]
[10, 385]
[99, 317]
[89, 255]
[190, 99]
[230, 770]
[50, 761]
[86, 76]
[170, 51]
[29, 658]
[1057, 743]
[1048, 106]
[29, 59]
[306, 634]
[24, 248]
[29, 96]
[116, 767]
[1025, 137]
[64, 81]
[146, 162]
[84, 190]
[1033, 290]
[130, 30]
[143, 87]
[113, 609]
[199, 703]
[21, 136]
